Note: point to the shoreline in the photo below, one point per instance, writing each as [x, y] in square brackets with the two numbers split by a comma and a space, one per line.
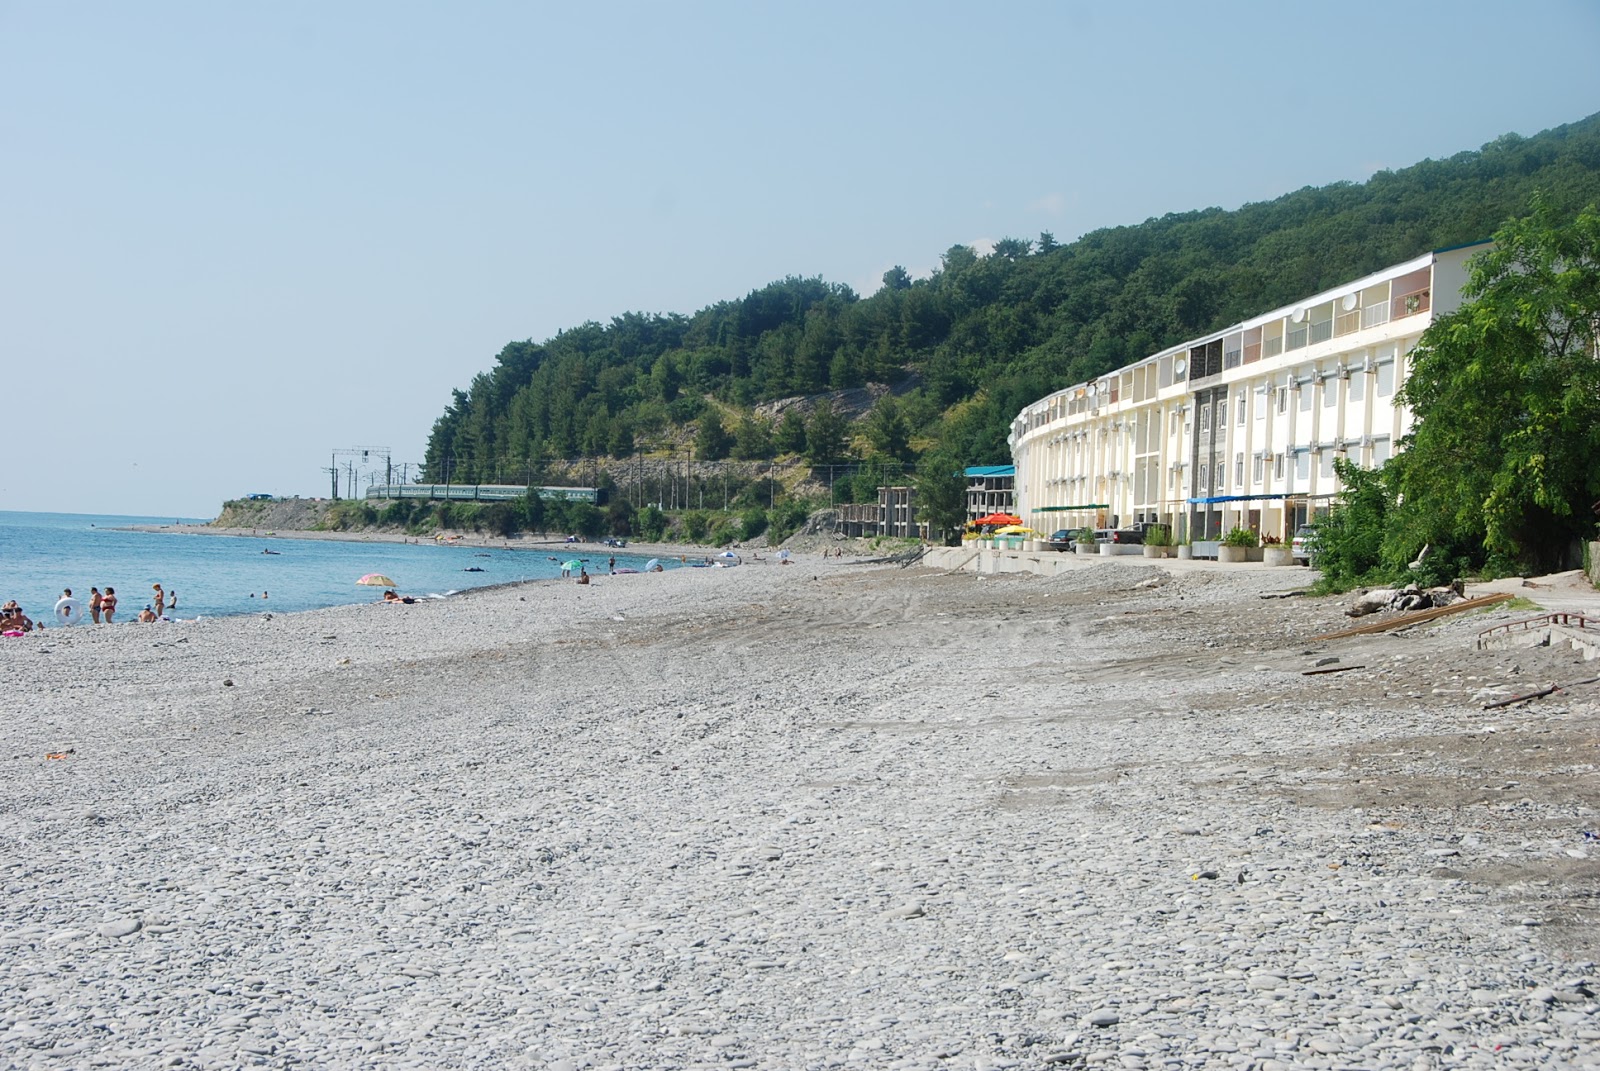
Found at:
[475, 540]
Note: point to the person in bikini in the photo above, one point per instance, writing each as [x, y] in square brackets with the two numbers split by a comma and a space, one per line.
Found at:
[108, 604]
[158, 605]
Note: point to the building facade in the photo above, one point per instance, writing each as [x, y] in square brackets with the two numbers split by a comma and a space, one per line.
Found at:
[990, 489]
[1241, 426]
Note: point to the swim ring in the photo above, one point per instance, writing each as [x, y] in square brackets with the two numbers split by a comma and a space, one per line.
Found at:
[69, 611]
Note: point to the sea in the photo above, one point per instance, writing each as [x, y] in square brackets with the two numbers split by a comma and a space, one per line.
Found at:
[43, 553]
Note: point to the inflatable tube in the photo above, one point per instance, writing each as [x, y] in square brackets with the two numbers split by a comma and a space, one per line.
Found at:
[69, 611]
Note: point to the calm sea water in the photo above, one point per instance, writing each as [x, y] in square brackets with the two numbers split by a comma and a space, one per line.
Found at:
[42, 553]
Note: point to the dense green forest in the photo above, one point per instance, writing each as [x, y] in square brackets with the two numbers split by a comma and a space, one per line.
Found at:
[984, 336]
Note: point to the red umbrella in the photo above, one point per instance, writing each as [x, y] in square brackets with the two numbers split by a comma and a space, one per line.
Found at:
[999, 519]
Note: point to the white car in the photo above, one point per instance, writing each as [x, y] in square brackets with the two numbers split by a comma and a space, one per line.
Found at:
[1305, 543]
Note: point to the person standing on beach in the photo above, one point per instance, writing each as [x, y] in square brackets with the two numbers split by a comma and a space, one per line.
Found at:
[158, 605]
[108, 604]
[94, 604]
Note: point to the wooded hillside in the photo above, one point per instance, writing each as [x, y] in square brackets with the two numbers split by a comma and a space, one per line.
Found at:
[984, 336]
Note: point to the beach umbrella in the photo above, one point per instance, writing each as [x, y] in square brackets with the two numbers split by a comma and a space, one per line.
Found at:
[729, 554]
[1015, 529]
[376, 580]
[651, 564]
[999, 519]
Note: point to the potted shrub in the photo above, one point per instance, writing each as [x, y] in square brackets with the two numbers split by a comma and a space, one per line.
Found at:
[1157, 541]
[1084, 543]
[1275, 551]
[1237, 544]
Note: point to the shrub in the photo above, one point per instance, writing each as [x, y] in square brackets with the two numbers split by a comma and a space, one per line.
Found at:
[651, 524]
[696, 525]
[752, 523]
[1158, 535]
[1084, 535]
[1240, 537]
[786, 519]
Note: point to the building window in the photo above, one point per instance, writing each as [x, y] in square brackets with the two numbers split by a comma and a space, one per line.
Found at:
[1238, 470]
[1244, 408]
[1260, 467]
[1205, 418]
[1283, 399]
[1200, 479]
[1277, 467]
[1330, 393]
[1261, 403]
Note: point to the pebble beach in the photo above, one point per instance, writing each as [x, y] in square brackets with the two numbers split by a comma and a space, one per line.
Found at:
[811, 816]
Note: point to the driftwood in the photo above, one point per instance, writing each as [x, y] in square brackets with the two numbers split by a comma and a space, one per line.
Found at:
[1416, 618]
[1328, 669]
[1542, 692]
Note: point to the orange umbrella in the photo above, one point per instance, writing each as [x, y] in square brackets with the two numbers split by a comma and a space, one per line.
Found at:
[999, 519]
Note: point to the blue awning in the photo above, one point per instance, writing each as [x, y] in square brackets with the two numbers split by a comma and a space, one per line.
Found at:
[1242, 498]
[992, 470]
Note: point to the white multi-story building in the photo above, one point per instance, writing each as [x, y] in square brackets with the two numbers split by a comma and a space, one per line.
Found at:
[1241, 426]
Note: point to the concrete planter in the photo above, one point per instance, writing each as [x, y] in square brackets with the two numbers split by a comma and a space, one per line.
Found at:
[1278, 555]
[1185, 553]
[1107, 550]
[1086, 550]
[1227, 554]
[1254, 554]
[1155, 551]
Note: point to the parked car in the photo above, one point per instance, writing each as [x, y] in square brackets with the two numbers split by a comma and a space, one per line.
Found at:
[1304, 544]
[1133, 533]
[1062, 539]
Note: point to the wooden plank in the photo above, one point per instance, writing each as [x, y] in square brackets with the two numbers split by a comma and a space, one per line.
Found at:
[1417, 617]
[1328, 669]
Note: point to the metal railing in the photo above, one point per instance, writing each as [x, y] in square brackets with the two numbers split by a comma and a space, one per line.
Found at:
[1321, 331]
[1295, 339]
[1272, 347]
[1374, 315]
[1412, 304]
[1347, 322]
[1565, 618]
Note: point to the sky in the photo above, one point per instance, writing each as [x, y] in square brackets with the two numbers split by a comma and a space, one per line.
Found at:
[237, 238]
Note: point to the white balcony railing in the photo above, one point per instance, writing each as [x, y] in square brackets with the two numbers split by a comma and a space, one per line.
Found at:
[1374, 315]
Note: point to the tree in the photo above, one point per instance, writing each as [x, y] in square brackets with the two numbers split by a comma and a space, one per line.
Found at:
[825, 435]
[1506, 397]
[752, 439]
[1012, 248]
[711, 442]
[888, 431]
[941, 493]
[897, 278]
[1047, 243]
[790, 438]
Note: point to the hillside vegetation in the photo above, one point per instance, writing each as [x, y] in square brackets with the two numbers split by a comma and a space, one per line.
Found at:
[984, 336]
